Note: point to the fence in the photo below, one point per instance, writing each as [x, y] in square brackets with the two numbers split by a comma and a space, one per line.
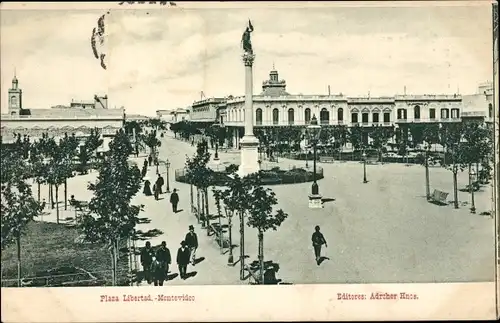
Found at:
[81, 278]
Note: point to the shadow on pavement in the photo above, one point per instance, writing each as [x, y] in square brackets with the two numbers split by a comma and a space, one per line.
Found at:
[327, 199]
[179, 211]
[191, 274]
[198, 260]
[321, 259]
[141, 235]
[172, 276]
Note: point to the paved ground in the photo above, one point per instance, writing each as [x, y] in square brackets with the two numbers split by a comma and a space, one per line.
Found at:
[380, 232]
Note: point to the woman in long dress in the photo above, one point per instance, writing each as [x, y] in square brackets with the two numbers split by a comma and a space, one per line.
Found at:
[147, 188]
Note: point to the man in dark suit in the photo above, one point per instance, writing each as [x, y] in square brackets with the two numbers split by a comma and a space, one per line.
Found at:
[191, 240]
[146, 262]
[318, 240]
[163, 257]
[183, 259]
[174, 199]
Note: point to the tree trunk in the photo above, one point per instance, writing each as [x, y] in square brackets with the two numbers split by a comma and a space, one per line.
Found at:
[455, 188]
[198, 208]
[65, 194]
[261, 256]
[230, 234]
[221, 241]
[113, 265]
[57, 203]
[427, 180]
[191, 197]
[470, 179]
[51, 196]
[207, 212]
[39, 187]
[18, 244]
[242, 246]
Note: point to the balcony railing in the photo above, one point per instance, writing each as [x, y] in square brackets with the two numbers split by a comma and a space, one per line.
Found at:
[324, 122]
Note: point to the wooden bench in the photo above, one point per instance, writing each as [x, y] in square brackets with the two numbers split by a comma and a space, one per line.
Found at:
[254, 275]
[439, 197]
[218, 231]
[326, 159]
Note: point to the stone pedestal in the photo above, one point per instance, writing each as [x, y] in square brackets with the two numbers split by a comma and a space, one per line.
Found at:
[249, 143]
[315, 201]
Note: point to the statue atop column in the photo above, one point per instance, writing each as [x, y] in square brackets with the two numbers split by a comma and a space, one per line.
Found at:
[245, 39]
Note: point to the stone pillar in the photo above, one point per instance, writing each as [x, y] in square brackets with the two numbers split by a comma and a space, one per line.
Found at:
[249, 143]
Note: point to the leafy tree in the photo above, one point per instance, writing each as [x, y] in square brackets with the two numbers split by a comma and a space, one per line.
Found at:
[341, 134]
[151, 140]
[356, 137]
[88, 149]
[380, 137]
[111, 217]
[18, 207]
[261, 216]
[430, 136]
[476, 146]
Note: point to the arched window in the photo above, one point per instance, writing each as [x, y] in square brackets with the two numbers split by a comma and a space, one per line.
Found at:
[276, 116]
[416, 112]
[445, 113]
[13, 100]
[324, 116]
[258, 116]
[13, 113]
[490, 110]
[291, 116]
[307, 115]
[340, 114]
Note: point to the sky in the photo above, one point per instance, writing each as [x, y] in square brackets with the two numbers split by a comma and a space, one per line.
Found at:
[163, 59]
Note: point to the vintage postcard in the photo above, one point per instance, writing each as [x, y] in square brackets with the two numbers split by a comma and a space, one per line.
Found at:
[161, 159]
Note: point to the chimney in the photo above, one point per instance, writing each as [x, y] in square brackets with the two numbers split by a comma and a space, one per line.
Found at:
[404, 90]
[328, 90]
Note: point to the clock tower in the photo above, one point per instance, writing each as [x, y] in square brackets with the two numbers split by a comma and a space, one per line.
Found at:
[15, 98]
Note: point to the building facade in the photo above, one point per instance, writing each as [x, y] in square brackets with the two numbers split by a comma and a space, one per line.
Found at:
[78, 118]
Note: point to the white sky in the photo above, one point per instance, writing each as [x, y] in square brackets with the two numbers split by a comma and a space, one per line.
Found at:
[164, 59]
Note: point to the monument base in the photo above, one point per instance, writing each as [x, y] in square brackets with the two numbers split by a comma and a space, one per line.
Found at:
[249, 156]
[315, 201]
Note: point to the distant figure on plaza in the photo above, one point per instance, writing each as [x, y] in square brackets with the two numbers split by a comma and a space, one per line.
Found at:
[144, 168]
[147, 261]
[72, 201]
[136, 151]
[164, 258]
[183, 259]
[147, 188]
[191, 240]
[174, 200]
[150, 160]
[318, 240]
[156, 192]
[159, 183]
[44, 204]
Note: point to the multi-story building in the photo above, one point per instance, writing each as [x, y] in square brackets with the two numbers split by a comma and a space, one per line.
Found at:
[78, 118]
[275, 107]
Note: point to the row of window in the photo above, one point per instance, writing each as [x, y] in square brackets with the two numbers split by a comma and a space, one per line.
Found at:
[445, 113]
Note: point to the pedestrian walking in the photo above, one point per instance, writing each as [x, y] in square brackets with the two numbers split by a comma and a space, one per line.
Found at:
[159, 183]
[159, 275]
[156, 191]
[191, 240]
[150, 160]
[164, 258]
[147, 261]
[318, 240]
[147, 188]
[183, 259]
[174, 200]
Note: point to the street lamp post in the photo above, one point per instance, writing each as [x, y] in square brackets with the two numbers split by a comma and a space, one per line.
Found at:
[168, 176]
[216, 133]
[157, 162]
[472, 175]
[314, 131]
[364, 168]
[307, 152]
[427, 184]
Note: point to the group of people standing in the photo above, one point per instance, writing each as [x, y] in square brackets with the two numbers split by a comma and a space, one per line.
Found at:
[157, 188]
[156, 264]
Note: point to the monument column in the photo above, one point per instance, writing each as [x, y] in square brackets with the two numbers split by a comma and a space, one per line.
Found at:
[249, 143]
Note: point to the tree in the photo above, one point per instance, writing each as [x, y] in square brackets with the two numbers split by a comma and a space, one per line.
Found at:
[150, 140]
[475, 148]
[111, 217]
[356, 137]
[380, 136]
[430, 136]
[450, 137]
[88, 149]
[18, 207]
[340, 133]
[261, 216]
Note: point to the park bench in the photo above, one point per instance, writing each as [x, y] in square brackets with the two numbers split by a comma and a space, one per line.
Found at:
[254, 275]
[326, 159]
[218, 231]
[438, 197]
